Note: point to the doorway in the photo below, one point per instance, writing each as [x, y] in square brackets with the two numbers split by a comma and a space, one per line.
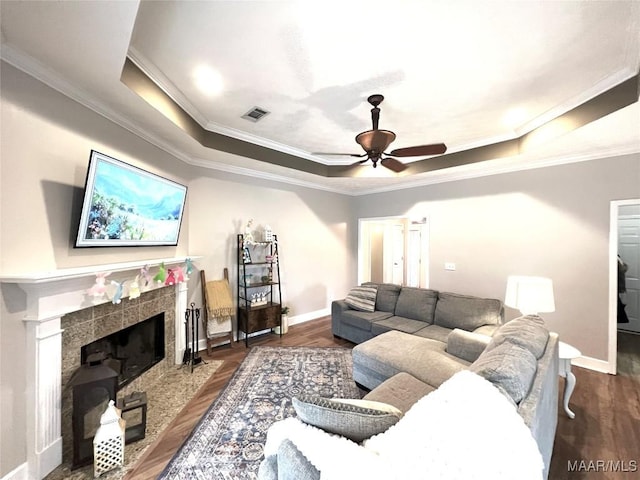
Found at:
[624, 243]
[393, 250]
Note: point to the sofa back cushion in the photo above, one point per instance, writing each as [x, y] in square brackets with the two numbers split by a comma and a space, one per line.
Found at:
[387, 296]
[467, 312]
[528, 331]
[417, 304]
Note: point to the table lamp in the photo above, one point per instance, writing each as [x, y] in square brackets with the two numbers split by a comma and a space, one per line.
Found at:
[530, 295]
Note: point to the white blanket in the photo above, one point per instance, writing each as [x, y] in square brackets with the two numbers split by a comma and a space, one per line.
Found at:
[466, 429]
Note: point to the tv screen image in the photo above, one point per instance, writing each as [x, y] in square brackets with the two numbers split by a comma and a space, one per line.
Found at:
[126, 206]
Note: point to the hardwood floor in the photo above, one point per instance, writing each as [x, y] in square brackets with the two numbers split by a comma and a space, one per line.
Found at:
[606, 427]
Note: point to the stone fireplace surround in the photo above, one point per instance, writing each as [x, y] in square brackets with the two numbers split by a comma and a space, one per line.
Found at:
[85, 326]
[52, 298]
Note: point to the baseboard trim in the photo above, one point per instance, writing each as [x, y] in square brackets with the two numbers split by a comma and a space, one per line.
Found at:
[18, 473]
[594, 364]
[306, 317]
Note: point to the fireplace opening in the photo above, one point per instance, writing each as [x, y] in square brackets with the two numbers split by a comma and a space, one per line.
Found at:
[131, 351]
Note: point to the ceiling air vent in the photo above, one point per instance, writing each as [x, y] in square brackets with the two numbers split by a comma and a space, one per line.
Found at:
[255, 114]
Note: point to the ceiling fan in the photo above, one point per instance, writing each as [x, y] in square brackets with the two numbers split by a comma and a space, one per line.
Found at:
[375, 141]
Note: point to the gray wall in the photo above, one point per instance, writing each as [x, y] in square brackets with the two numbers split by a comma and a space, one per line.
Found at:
[46, 139]
[551, 222]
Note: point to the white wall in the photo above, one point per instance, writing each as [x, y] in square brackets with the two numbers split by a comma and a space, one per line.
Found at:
[46, 139]
[550, 222]
[311, 226]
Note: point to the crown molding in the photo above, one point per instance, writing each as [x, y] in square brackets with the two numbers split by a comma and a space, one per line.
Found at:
[174, 93]
[501, 166]
[53, 79]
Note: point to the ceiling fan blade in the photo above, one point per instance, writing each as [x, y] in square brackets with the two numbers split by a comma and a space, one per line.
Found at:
[357, 155]
[393, 164]
[360, 162]
[434, 149]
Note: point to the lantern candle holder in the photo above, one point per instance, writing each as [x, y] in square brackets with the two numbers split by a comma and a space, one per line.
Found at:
[134, 412]
[108, 444]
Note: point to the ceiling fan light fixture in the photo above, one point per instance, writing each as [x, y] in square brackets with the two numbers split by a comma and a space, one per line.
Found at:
[375, 141]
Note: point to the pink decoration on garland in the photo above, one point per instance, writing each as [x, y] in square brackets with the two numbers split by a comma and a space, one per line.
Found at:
[171, 278]
[179, 275]
[99, 288]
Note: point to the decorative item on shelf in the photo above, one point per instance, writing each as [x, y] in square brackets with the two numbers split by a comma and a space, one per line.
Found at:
[247, 278]
[191, 355]
[268, 258]
[117, 296]
[108, 444]
[268, 234]
[99, 288]
[248, 234]
[133, 409]
[246, 255]
[161, 276]
[134, 288]
[285, 321]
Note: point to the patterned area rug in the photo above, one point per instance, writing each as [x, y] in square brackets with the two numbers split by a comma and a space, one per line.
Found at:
[227, 443]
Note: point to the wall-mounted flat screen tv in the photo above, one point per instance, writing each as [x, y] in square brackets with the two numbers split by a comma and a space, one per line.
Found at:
[127, 206]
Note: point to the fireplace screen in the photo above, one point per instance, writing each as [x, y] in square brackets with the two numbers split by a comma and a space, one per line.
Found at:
[131, 351]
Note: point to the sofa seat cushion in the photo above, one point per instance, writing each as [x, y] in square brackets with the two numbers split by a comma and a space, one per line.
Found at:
[354, 419]
[417, 304]
[396, 323]
[401, 391]
[509, 367]
[528, 331]
[393, 352]
[387, 296]
[363, 320]
[467, 312]
[434, 332]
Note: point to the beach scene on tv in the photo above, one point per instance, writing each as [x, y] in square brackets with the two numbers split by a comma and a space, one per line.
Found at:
[131, 205]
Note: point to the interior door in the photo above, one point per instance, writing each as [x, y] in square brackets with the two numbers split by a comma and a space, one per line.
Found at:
[414, 257]
[629, 251]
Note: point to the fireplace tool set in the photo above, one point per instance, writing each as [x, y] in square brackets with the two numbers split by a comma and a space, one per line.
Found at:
[191, 356]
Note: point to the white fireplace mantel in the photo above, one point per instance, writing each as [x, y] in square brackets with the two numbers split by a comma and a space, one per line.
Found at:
[49, 296]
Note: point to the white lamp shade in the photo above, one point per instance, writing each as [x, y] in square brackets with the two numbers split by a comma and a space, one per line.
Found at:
[530, 295]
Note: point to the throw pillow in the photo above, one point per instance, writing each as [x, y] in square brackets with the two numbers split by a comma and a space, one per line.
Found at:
[362, 298]
[509, 367]
[356, 420]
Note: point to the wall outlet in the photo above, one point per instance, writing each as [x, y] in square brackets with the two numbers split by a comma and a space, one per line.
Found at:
[449, 266]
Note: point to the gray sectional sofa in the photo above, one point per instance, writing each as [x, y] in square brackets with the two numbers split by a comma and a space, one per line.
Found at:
[405, 371]
[415, 343]
[418, 311]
